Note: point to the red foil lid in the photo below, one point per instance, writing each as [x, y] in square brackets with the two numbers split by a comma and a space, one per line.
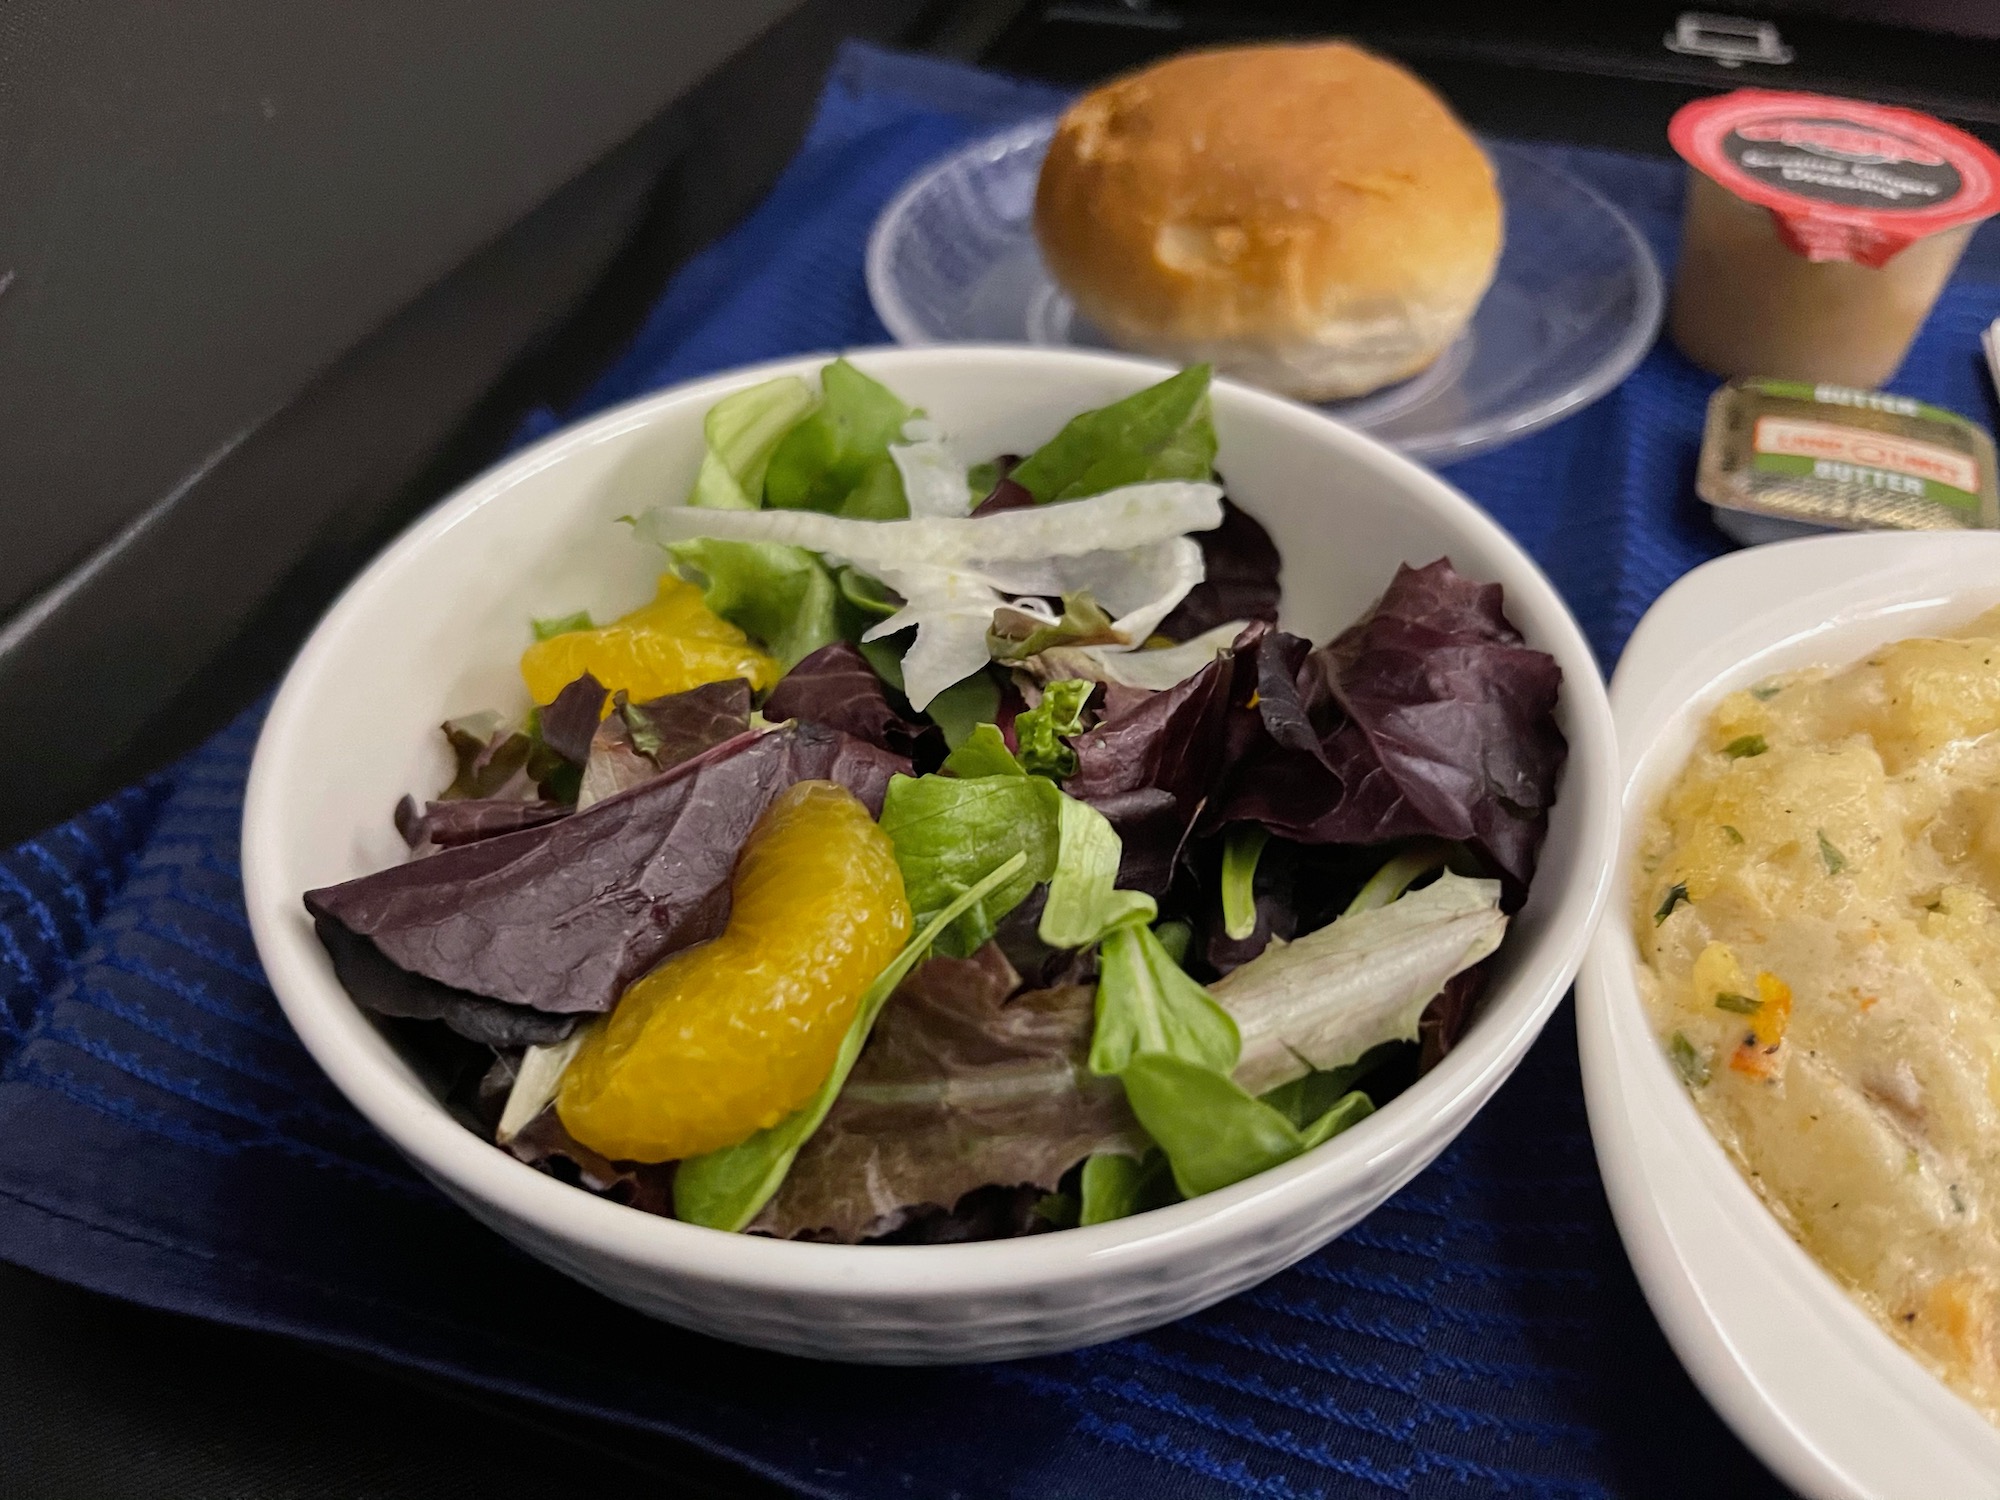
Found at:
[1844, 180]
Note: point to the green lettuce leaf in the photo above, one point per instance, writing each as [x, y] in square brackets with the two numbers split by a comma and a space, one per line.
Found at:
[782, 595]
[1327, 998]
[950, 830]
[1083, 904]
[1146, 1003]
[1116, 1187]
[878, 497]
[984, 753]
[842, 447]
[743, 431]
[1212, 1131]
[1240, 852]
[725, 1189]
[1042, 730]
[960, 709]
[1162, 432]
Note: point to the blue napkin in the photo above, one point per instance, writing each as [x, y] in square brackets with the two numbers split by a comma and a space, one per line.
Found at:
[163, 1138]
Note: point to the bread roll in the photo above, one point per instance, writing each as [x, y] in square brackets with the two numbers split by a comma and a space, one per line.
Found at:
[1309, 218]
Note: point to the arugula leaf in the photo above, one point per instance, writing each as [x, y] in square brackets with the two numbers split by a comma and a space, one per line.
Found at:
[1147, 1004]
[1082, 903]
[983, 753]
[782, 595]
[1240, 853]
[840, 446]
[743, 430]
[555, 625]
[960, 709]
[949, 830]
[726, 1188]
[1162, 432]
[1040, 732]
[1212, 1131]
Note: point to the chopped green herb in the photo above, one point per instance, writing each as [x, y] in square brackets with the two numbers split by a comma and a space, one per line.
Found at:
[1957, 1200]
[1743, 1005]
[1687, 1061]
[1676, 894]
[1831, 857]
[1735, 836]
[1764, 692]
[1745, 745]
[557, 625]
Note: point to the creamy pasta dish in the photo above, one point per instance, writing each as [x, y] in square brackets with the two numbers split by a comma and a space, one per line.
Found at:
[1816, 907]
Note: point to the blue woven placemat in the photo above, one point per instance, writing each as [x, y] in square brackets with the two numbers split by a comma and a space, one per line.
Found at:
[164, 1138]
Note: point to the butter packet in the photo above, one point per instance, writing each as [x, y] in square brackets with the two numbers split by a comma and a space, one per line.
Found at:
[1783, 458]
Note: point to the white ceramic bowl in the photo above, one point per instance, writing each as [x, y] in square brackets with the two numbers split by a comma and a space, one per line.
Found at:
[1823, 1395]
[435, 627]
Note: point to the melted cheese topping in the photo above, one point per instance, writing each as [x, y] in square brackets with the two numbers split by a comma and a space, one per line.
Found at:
[1818, 907]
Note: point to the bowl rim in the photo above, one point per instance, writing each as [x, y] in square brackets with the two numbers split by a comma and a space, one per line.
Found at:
[1749, 606]
[332, 1026]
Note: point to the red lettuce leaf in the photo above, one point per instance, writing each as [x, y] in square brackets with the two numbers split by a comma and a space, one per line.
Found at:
[569, 722]
[543, 1144]
[836, 687]
[1152, 768]
[987, 1213]
[1240, 577]
[960, 1089]
[1429, 716]
[563, 917]
[445, 824]
[678, 727]
[635, 742]
[379, 986]
[1446, 1018]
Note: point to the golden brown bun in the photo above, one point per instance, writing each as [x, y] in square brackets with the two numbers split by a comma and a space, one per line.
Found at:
[1309, 218]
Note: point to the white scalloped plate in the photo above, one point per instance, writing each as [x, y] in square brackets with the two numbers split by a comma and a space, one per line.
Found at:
[1803, 1375]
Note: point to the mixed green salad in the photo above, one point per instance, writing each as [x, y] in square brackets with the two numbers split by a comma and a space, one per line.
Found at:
[954, 852]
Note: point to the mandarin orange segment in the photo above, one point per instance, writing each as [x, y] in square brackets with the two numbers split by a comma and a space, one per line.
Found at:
[729, 1037]
[675, 643]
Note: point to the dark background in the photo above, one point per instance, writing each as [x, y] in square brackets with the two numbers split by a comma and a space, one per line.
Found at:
[274, 279]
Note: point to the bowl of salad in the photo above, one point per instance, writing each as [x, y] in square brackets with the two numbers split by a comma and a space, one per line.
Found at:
[937, 854]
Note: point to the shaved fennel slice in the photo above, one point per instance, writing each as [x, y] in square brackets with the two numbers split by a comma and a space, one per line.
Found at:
[934, 480]
[1324, 1000]
[1127, 547]
[1114, 521]
[535, 1083]
[1154, 670]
